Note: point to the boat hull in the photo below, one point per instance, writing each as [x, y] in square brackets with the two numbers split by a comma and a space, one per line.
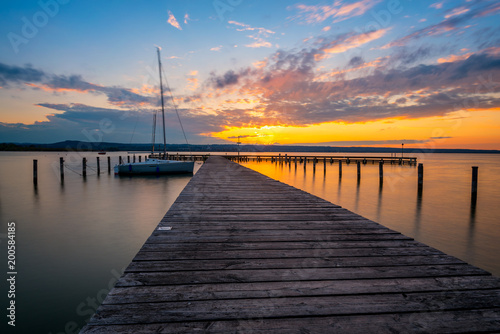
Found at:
[155, 167]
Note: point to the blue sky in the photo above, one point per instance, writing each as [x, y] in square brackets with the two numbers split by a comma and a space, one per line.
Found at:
[363, 72]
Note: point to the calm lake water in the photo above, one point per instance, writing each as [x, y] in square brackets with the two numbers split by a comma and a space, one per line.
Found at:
[74, 239]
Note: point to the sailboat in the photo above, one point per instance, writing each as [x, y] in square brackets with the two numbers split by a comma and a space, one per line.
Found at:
[156, 166]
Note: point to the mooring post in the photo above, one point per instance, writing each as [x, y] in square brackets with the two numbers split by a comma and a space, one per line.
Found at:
[340, 168]
[35, 171]
[474, 184]
[305, 163]
[140, 157]
[324, 165]
[61, 167]
[128, 158]
[109, 165]
[314, 164]
[381, 171]
[120, 161]
[98, 166]
[134, 158]
[358, 163]
[84, 167]
[420, 176]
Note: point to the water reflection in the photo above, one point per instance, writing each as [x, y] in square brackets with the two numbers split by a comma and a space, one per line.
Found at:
[472, 231]
[379, 201]
[418, 213]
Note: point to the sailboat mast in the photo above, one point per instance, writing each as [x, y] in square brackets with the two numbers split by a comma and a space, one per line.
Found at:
[162, 106]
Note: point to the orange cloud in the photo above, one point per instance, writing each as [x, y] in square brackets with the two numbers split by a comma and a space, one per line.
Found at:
[454, 58]
[318, 14]
[457, 11]
[173, 21]
[339, 46]
[145, 90]
[57, 89]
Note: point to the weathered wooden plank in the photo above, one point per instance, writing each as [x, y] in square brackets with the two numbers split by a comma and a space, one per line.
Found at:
[220, 247]
[280, 263]
[289, 225]
[201, 254]
[470, 321]
[201, 232]
[297, 306]
[150, 294]
[295, 274]
[311, 237]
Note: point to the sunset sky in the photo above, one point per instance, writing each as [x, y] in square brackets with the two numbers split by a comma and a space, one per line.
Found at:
[336, 73]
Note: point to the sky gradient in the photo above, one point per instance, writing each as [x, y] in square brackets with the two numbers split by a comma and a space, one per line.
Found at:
[337, 73]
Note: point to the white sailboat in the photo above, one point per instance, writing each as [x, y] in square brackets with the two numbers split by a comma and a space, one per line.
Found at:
[156, 166]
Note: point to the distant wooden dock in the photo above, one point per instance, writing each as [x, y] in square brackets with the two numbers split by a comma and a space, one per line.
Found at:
[239, 252]
[291, 158]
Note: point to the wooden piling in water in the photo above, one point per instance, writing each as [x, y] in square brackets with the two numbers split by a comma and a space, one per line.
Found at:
[61, 168]
[128, 158]
[140, 157]
[109, 165]
[381, 171]
[84, 167]
[120, 160]
[359, 169]
[474, 184]
[35, 171]
[340, 168]
[420, 177]
[98, 166]
[324, 165]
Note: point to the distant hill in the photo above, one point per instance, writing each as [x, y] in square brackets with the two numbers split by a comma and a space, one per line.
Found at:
[73, 145]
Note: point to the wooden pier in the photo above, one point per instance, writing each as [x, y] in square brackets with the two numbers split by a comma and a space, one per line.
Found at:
[239, 252]
[291, 158]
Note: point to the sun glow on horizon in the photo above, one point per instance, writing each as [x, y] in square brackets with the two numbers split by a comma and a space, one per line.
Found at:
[454, 130]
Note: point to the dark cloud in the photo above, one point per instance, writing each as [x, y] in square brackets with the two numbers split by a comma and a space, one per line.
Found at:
[476, 63]
[72, 82]
[407, 56]
[16, 74]
[38, 79]
[355, 62]
[229, 78]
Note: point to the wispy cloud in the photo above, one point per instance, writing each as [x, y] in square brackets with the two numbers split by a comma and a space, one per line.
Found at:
[192, 80]
[437, 5]
[173, 21]
[350, 41]
[454, 58]
[259, 34]
[337, 10]
[454, 18]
